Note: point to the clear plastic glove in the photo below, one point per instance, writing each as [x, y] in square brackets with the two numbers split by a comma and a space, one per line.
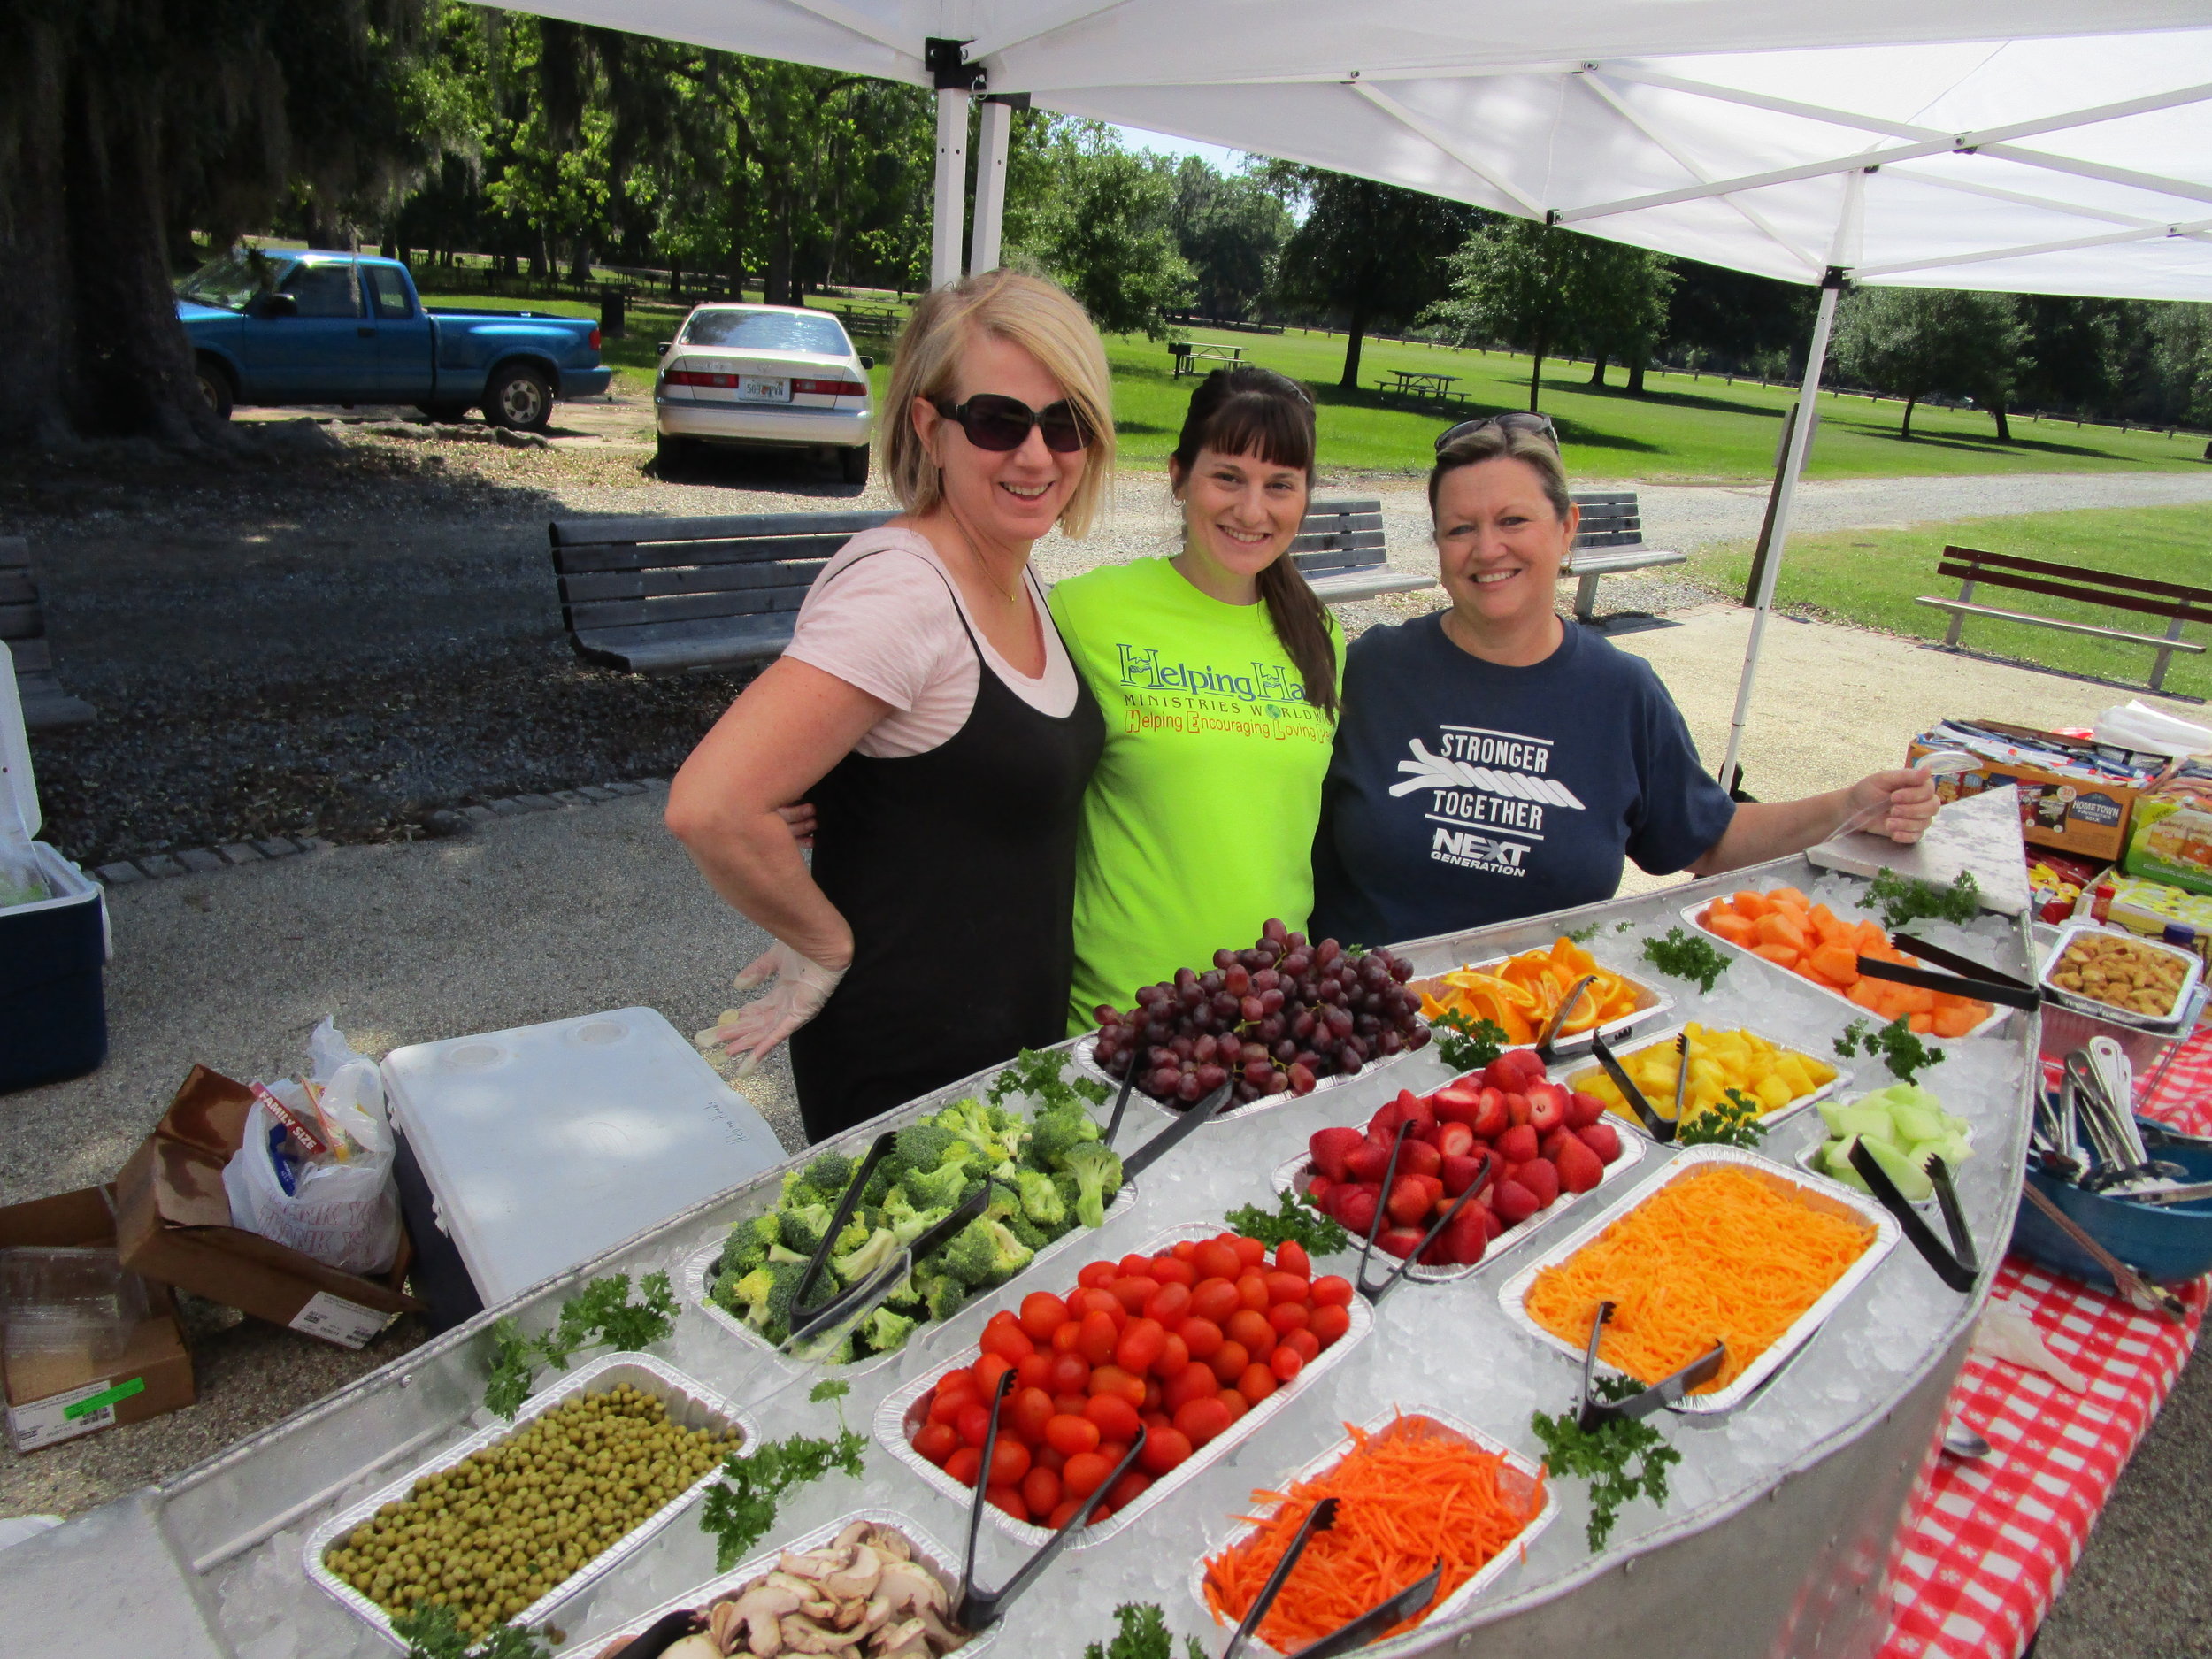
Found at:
[1900, 805]
[798, 988]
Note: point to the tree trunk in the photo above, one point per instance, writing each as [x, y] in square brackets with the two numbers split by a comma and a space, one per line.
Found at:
[2004, 427]
[779, 288]
[1536, 372]
[1905, 431]
[1597, 369]
[1636, 375]
[1356, 331]
[580, 266]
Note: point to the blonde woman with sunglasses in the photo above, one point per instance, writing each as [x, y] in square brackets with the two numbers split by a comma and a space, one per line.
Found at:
[929, 711]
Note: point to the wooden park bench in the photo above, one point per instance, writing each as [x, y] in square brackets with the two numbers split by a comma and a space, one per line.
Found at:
[23, 629]
[2174, 601]
[1608, 542]
[1339, 548]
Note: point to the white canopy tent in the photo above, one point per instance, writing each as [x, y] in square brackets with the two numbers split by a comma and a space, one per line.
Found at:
[2016, 145]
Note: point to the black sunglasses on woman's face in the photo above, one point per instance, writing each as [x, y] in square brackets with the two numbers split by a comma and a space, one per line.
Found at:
[1512, 420]
[999, 423]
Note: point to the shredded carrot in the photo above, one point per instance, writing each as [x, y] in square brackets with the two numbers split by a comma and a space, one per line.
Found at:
[1409, 1495]
[1723, 1254]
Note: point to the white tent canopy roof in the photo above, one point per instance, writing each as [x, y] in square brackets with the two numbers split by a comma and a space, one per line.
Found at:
[2015, 150]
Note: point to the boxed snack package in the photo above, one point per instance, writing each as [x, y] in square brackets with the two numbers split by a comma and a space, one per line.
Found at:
[2155, 910]
[2076, 795]
[2057, 882]
[2170, 839]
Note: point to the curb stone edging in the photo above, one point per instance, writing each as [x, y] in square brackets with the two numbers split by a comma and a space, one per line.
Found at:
[230, 854]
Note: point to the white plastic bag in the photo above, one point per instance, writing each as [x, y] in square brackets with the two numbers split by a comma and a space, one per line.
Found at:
[2136, 724]
[342, 1212]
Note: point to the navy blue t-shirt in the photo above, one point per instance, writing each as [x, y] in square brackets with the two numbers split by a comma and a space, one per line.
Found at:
[1462, 793]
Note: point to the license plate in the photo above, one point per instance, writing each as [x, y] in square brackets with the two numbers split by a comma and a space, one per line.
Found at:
[759, 389]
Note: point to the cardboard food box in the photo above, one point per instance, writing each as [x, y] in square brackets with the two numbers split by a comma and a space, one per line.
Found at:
[57, 1397]
[2171, 841]
[2154, 909]
[174, 1225]
[2087, 818]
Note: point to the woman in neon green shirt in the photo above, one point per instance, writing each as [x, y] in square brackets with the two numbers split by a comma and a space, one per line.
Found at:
[1219, 671]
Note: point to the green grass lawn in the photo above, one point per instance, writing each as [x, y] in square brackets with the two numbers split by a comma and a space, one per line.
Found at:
[1872, 577]
[1682, 429]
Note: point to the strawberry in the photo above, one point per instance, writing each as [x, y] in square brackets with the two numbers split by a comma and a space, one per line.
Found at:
[1417, 1107]
[1418, 1157]
[1329, 1148]
[1541, 1177]
[1601, 1139]
[1503, 1073]
[1356, 1208]
[1547, 1146]
[1516, 1110]
[1459, 1173]
[1457, 1105]
[1584, 1109]
[1492, 1120]
[1439, 1253]
[1410, 1201]
[1530, 1063]
[1547, 1106]
[1384, 1123]
[1517, 1145]
[1401, 1241]
[1452, 1139]
[1318, 1187]
[1434, 1186]
[1367, 1161]
[1579, 1168]
[1516, 1202]
[1467, 1238]
[1490, 1223]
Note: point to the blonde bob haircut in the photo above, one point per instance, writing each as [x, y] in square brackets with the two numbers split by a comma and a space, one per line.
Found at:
[1043, 319]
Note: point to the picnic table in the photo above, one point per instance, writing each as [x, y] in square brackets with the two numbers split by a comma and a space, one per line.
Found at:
[1189, 353]
[1420, 383]
[871, 319]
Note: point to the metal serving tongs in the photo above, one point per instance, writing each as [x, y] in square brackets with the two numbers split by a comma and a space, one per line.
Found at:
[1548, 1037]
[1546, 1049]
[2101, 1083]
[1667, 1391]
[1375, 1292]
[976, 1610]
[1152, 1151]
[1960, 1266]
[1346, 1638]
[1967, 978]
[2130, 1283]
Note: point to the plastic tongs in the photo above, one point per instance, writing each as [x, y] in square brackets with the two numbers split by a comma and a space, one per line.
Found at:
[1547, 1038]
[1346, 1638]
[1152, 1151]
[1377, 1290]
[1667, 1391]
[1958, 1266]
[1967, 978]
[975, 1610]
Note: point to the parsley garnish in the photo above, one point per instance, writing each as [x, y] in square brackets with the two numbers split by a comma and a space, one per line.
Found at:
[1464, 1044]
[1583, 935]
[1734, 1122]
[1039, 1076]
[1685, 956]
[740, 1507]
[1854, 1035]
[1898, 1044]
[432, 1631]
[1602, 1455]
[601, 1315]
[1143, 1635]
[1298, 1218]
[1904, 899]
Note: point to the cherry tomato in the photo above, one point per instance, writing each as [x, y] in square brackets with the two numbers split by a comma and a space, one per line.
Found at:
[1116, 1417]
[1291, 1257]
[1133, 1292]
[1042, 1314]
[1285, 1363]
[1141, 1341]
[1010, 1462]
[1168, 1304]
[1071, 1405]
[1196, 1383]
[1218, 1260]
[1098, 1275]
[1111, 1379]
[1010, 1500]
[1201, 1421]
[973, 1423]
[937, 1442]
[1285, 1288]
[1064, 1513]
[1183, 1249]
[1035, 1371]
[1329, 1323]
[1251, 1252]
[1004, 1316]
[964, 1464]
[945, 1406]
[987, 1371]
[1096, 1341]
[1064, 1339]
[1163, 1449]
[1151, 1393]
[1302, 1342]
[1288, 1316]
[1087, 1301]
[1069, 1435]
[1113, 1452]
[1215, 1299]
[1331, 1290]
[1156, 1420]
[1027, 1413]
[1046, 1458]
[1128, 1489]
[1133, 1264]
[1252, 1292]
[1234, 1402]
[1085, 1474]
[1174, 1355]
[1229, 1361]
[1041, 1489]
[1254, 1331]
[1071, 1375]
[1174, 1269]
[1202, 1337]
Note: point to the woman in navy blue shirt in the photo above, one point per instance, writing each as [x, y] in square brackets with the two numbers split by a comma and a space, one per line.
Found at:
[1495, 760]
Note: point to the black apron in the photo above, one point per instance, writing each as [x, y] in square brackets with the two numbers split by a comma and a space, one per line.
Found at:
[955, 869]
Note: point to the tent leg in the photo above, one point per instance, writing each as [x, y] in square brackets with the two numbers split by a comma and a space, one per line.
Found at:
[951, 206]
[1786, 493]
[990, 184]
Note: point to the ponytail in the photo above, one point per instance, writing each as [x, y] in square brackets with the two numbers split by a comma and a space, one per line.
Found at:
[1301, 625]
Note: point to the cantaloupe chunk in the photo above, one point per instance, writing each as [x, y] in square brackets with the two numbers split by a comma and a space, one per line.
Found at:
[1777, 928]
[1868, 995]
[1781, 955]
[1956, 1021]
[1789, 895]
[1749, 905]
[1735, 929]
[1837, 963]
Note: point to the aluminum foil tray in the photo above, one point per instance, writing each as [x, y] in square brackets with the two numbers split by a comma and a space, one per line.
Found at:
[2173, 1024]
[691, 1404]
[1451, 1606]
[1291, 1175]
[1585, 1074]
[1815, 1190]
[700, 1268]
[1086, 1047]
[892, 1418]
[1690, 915]
[1652, 1002]
[943, 1563]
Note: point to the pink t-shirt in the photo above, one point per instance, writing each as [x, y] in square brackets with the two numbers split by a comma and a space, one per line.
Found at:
[893, 627]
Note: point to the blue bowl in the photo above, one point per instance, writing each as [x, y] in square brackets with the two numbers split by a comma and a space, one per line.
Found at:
[2166, 1244]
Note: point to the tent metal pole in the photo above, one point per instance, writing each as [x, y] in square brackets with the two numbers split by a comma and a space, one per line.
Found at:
[1785, 492]
[990, 184]
[950, 209]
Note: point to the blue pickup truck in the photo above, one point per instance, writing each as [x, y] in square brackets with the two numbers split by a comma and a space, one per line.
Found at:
[307, 327]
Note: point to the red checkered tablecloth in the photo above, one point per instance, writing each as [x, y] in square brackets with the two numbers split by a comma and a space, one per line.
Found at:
[1988, 1545]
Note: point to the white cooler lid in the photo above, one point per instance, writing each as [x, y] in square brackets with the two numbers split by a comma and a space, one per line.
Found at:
[16, 777]
[547, 1144]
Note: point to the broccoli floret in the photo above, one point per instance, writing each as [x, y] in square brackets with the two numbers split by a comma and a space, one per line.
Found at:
[923, 1146]
[765, 1297]
[797, 1190]
[936, 1189]
[942, 1295]
[1059, 1133]
[856, 1265]
[780, 1252]
[1042, 1201]
[1005, 1200]
[741, 1257]
[986, 1253]
[830, 1175]
[907, 1222]
[856, 1234]
[884, 1331]
[803, 1225]
[1027, 1231]
[884, 1179]
[991, 1130]
[1097, 1173]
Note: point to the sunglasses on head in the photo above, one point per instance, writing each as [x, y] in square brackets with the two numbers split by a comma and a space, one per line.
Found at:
[994, 422]
[1512, 420]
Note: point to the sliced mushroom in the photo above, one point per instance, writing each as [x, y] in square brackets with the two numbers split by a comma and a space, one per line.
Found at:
[698, 1646]
[802, 1634]
[909, 1588]
[875, 1613]
[889, 1545]
[857, 1578]
[858, 1533]
[815, 1564]
[942, 1634]
[758, 1612]
[907, 1640]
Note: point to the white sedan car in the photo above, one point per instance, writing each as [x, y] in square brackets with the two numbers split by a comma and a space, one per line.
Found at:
[766, 376]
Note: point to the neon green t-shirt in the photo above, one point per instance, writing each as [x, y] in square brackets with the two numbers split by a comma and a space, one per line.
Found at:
[1198, 824]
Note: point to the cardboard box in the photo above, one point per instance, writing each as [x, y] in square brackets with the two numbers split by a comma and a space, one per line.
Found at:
[2154, 909]
[174, 1224]
[58, 1399]
[2071, 815]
